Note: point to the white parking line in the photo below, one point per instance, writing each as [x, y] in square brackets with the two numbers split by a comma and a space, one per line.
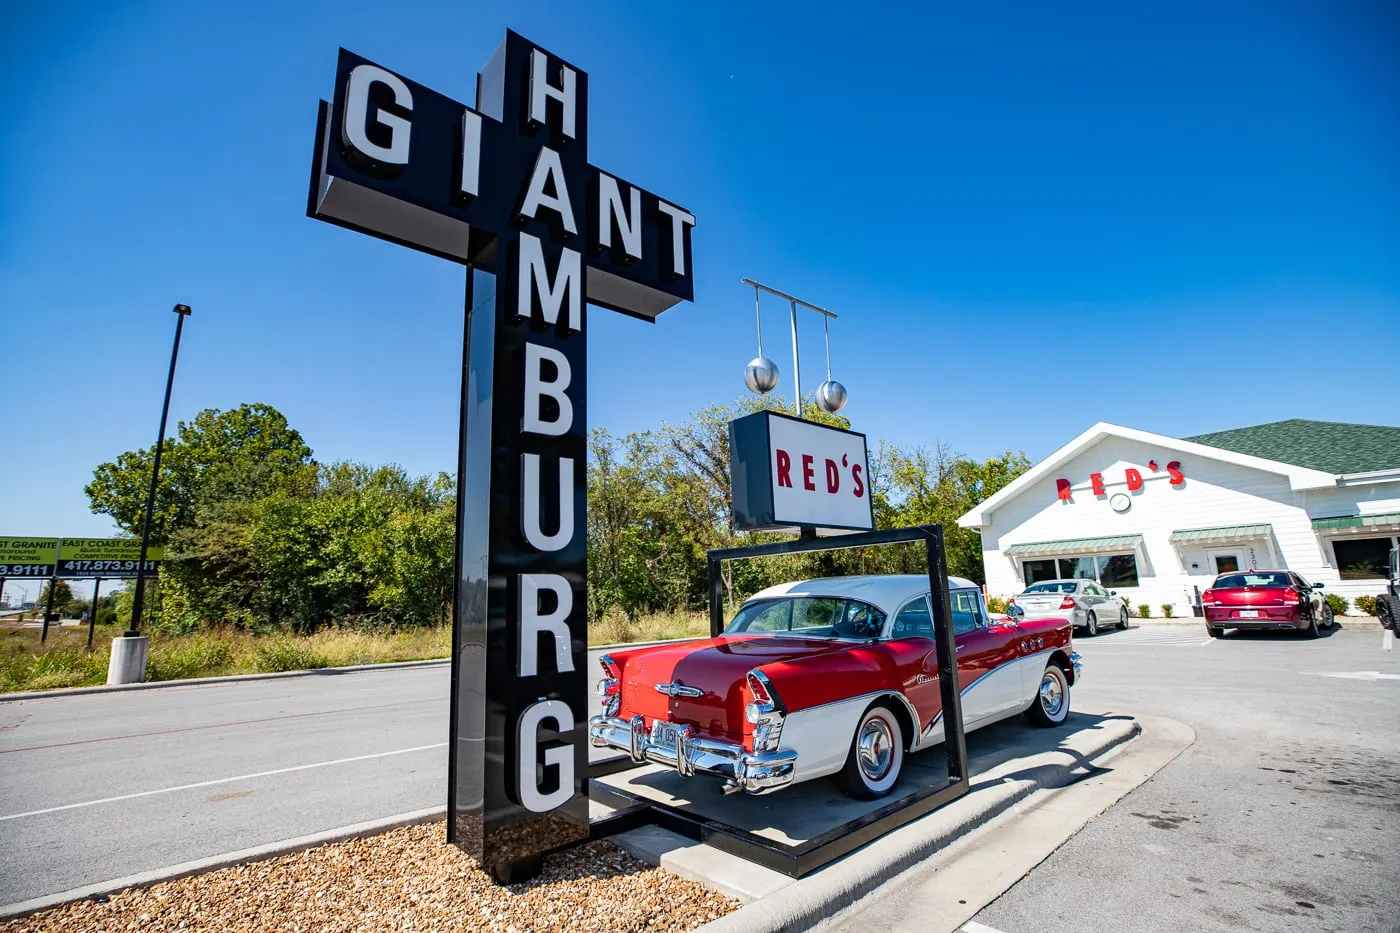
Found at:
[227, 780]
[972, 926]
[1388, 641]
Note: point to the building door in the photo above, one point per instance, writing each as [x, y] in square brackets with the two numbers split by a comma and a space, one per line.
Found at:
[1225, 560]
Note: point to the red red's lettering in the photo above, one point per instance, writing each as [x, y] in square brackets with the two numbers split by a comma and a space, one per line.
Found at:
[1096, 481]
[1178, 478]
[1134, 480]
[784, 469]
[833, 476]
[860, 485]
[807, 473]
[1062, 489]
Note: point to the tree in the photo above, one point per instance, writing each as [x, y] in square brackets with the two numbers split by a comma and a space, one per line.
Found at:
[62, 596]
[220, 457]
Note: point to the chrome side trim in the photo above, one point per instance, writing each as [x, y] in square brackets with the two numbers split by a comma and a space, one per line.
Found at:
[678, 689]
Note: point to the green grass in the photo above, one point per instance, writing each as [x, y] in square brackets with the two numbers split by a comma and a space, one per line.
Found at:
[64, 661]
[617, 629]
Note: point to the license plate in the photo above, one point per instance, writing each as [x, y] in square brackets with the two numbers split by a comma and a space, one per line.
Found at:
[1249, 613]
[664, 733]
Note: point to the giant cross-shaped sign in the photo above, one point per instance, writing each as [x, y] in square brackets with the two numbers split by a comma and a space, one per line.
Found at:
[505, 187]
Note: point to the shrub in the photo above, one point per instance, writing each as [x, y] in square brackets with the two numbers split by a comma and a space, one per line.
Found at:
[1338, 604]
[1144, 611]
[997, 604]
[181, 659]
[1366, 605]
[1166, 610]
[287, 654]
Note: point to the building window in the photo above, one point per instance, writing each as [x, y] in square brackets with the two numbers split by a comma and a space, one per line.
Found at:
[1118, 570]
[1111, 570]
[1362, 559]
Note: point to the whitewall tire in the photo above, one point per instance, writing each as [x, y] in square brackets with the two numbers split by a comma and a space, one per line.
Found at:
[876, 756]
[1051, 704]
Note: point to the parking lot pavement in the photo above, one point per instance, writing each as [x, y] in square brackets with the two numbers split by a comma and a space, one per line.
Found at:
[1284, 815]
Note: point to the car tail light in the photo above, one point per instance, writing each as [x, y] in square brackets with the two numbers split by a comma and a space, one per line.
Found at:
[1067, 602]
[1290, 597]
[764, 713]
[758, 686]
[1208, 598]
[610, 687]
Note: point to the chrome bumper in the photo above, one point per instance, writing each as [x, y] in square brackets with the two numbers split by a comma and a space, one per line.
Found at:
[751, 772]
[1078, 663]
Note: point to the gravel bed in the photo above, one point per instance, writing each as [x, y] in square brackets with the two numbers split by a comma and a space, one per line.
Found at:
[405, 879]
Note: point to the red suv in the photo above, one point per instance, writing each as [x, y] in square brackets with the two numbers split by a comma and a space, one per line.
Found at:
[1265, 599]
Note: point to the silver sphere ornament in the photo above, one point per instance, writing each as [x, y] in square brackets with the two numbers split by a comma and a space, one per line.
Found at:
[761, 375]
[831, 396]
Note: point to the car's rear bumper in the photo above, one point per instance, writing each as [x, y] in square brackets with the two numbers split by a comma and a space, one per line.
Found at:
[751, 772]
[1269, 618]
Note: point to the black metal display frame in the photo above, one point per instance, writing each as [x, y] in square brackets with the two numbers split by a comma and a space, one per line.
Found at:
[632, 811]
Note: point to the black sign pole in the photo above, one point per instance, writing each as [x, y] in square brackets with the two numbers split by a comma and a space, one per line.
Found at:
[138, 597]
[92, 613]
[48, 611]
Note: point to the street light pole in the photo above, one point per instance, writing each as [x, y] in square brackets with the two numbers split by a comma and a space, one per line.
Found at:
[137, 599]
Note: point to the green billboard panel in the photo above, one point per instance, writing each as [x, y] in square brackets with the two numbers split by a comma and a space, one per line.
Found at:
[28, 557]
[104, 557]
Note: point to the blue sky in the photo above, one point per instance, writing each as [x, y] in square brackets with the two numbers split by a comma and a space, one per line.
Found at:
[1029, 216]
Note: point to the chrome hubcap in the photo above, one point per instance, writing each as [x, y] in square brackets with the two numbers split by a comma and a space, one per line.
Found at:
[875, 748]
[1052, 694]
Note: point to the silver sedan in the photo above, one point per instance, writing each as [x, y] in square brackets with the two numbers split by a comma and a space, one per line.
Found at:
[1083, 602]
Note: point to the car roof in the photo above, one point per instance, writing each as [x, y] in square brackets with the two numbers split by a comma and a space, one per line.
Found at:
[886, 592]
[1061, 580]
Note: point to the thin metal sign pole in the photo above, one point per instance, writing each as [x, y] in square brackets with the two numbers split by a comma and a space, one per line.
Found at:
[138, 597]
[92, 613]
[48, 611]
[796, 365]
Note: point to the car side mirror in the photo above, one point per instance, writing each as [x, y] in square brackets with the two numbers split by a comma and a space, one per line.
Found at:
[1317, 586]
[1112, 592]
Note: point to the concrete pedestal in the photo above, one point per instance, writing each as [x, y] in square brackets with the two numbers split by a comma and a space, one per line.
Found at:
[128, 664]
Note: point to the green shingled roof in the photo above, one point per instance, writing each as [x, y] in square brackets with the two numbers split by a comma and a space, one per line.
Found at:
[1329, 446]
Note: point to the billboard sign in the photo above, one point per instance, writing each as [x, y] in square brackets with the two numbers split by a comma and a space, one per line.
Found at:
[788, 473]
[105, 557]
[28, 557]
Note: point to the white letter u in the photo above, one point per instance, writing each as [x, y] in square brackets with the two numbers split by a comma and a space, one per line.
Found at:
[530, 514]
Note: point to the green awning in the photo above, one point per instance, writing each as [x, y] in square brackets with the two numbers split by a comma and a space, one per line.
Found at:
[1356, 521]
[1223, 533]
[1078, 546]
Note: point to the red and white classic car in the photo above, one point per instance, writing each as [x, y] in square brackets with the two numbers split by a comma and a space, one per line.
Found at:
[835, 676]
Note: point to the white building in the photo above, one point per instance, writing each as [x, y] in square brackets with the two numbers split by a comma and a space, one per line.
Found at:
[1156, 518]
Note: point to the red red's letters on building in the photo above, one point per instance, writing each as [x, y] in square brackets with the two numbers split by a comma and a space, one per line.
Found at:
[1131, 476]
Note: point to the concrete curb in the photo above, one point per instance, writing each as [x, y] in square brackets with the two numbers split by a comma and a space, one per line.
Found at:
[202, 681]
[810, 900]
[227, 860]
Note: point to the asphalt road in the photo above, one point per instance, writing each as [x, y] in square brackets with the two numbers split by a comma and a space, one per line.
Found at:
[1284, 815]
[108, 785]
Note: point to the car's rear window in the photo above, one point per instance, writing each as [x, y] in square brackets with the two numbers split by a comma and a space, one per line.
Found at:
[1231, 580]
[1064, 586]
[809, 616]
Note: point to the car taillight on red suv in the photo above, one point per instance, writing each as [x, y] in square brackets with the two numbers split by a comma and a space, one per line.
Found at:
[1289, 597]
[1067, 602]
[1208, 598]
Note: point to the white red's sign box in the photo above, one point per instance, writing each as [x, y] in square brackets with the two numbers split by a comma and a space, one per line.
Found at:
[787, 473]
